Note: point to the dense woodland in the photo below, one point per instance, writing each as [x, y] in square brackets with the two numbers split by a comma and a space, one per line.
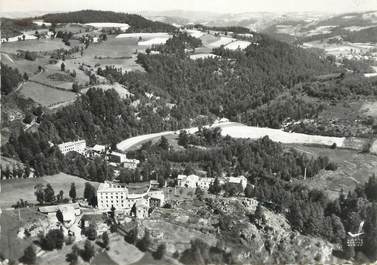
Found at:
[312, 213]
[10, 78]
[15, 27]
[137, 23]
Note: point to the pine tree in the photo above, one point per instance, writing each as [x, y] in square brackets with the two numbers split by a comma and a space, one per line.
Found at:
[105, 239]
[88, 252]
[29, 256]
[72, 192]
[160, 252]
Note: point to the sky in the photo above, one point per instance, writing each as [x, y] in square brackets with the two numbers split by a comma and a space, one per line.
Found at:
[218, 6]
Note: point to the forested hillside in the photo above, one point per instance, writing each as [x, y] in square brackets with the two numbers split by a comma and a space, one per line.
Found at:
[14, 27]
[137, 23]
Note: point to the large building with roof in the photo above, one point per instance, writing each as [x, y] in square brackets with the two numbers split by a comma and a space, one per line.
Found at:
[116, 194]
[75, 146]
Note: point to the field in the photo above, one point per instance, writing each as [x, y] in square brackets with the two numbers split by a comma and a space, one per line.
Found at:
[221, 41]
[238, 44]
[119, 52]
[10, 220]
[242, 131]
[46, 96]
[14, 189]
[41, 45]
[353, 168]
[203, 56]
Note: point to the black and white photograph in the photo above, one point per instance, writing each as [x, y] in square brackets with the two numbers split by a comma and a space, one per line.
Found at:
[188, 132]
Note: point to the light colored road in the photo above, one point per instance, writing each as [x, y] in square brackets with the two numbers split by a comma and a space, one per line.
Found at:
[130, 142]
[237, 130]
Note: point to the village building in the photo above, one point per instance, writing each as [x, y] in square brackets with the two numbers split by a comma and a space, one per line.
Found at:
[117, 157]
[112, 194]
[190, 181]
[69, 212]
[238, 180]
[142, 207]
[156, 198]
[131, 163]
[75, 146]
[204, 183]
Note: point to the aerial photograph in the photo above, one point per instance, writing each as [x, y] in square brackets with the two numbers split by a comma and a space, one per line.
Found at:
[188, 132]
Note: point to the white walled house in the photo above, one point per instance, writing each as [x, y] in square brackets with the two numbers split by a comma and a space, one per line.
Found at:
[131, 163]
[117, 157]
[116, 194]
[204, 183]
[75, 146]
[238, 180]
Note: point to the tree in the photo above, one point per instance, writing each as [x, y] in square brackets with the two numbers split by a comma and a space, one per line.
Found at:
[112, 212]
[164, 144]
[105, 239]
[249, 191]
[72, 257]
[60, 196]
[49, 194]
[145, 242]
[59, 216]
[215, 187]
[160, 252]
[54, 239]
[29, 256]
[72, 192]
[88, 252]
[183, 138]
[39, 193]
[75, 87]
[28, 118]
[370, 228]
[25, 76]
[91, 233]
[89, 192]
[62, 67]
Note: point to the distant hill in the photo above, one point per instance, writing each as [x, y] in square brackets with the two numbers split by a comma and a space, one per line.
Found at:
[137, 23]
[14, 27]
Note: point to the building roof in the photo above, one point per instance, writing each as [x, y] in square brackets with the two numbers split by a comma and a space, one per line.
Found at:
[99, 148]
[236, 179]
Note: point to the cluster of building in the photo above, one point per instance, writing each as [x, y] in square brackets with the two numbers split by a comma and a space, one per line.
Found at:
[113, 194]
[115, 158]
[194, 181]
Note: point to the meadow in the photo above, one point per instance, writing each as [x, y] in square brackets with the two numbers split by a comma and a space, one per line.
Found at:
[46, 96]
[14, 189]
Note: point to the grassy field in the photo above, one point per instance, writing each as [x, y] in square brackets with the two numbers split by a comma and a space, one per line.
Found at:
[353, 168]
[44, 95]
[33, 45]
[15, 189]
[10, 220]
[119, 52]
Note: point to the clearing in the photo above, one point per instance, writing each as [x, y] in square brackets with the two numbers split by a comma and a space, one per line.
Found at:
[13, 190]
[46, 96]
[353, 168]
